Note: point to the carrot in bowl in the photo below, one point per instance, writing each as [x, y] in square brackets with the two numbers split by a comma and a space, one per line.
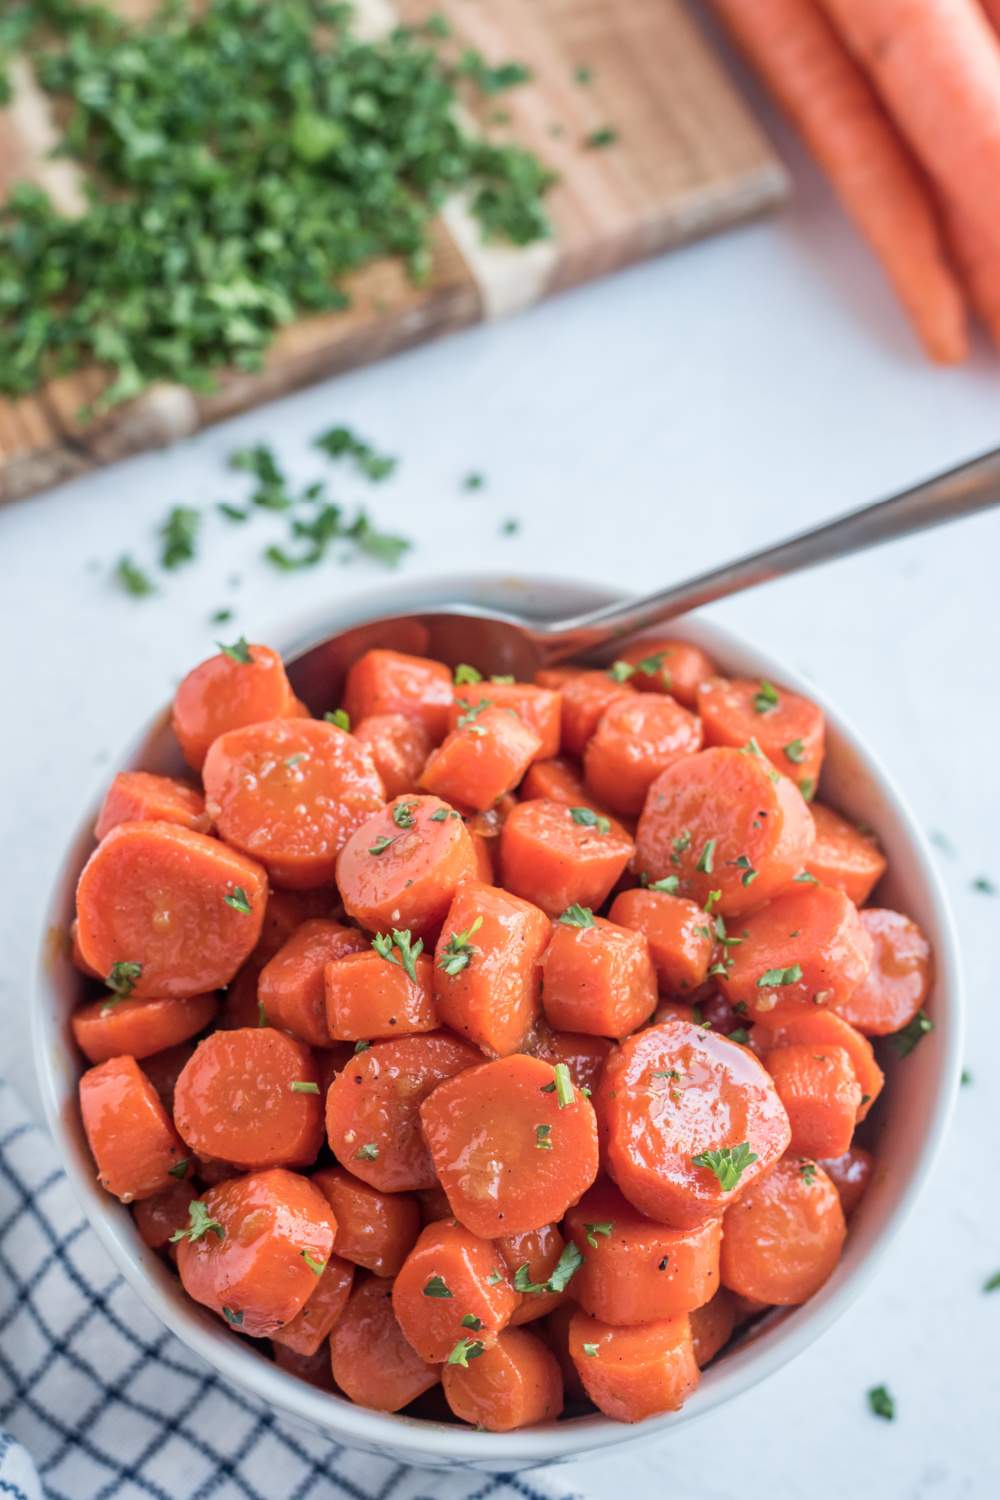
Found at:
[668, 666]
[899, 980]
[637, 1372]
[129, 1133]
[243, 684]
[821, 1094]
[373, 1364]
[375, 1230]
[789, 729]
[483, 757]
[399, 746]
[291, 986]
[390, 682]
[113, 1027]
[557, 856]
[451, 1282]
[310, 1328]
[782, 1239]
[678, 934]
[597, 977]
[401, 869]
[844, 856]
[139, 797]
[487, 967]
[637, 737]
[540, 708]
[512, 1383]
[380, 993]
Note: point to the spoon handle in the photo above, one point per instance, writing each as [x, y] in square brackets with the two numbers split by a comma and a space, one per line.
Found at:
[971, 487]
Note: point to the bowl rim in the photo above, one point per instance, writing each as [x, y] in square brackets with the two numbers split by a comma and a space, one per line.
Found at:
[425, 1441]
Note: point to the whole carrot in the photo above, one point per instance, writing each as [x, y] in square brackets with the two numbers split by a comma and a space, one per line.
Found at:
[825, 94]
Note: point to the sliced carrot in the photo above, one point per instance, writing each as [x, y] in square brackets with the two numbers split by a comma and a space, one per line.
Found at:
[899, 980]
[112, 1027]
[76, 955]
[373, 1364]
[850, 1175]
[399, 746]
[712, 1326]
[487, 967]
[557, 856]
[676, 1010]
[375, 1230]
[724, 820]
[483, 757]
[583, 1055]
[843, 856]
[636, 738]
[555, 1331]
[451, 1281]
[312, 1368]
[677, 931]
[789, 729]
[668, 666]
[823, 1028]
[513, 1144]
[371, 996]
[164, 911]
[401, 869]
[291, 986]
[139, 797]
[532, 1258]
[389, 682]
[251, 1261]
[670, 1099]
[128, 1131]
[482, 847]
[635, 1270]
[373, 1108]
[163, 1070]
[291, 792]
[310, 1328]
[513, 1383]
[540, 708]
[584, 699]
[782, 1238]
[160, 1217]
[597, 977]
[240, 1005]
[226, 692]
[557, 780]
[285, 912]
[251, 1097]
[555, 678]
[633, 1373]
[821, 1095]
[806, 948]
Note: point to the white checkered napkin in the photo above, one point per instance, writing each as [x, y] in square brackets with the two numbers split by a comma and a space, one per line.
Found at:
[108, 1404]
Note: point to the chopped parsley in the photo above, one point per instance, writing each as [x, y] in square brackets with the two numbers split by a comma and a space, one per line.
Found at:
[179, 1169]
[438, 1287]
[543, 1137]
[122, 978]
[402, 814]
[807, 1171]
[807, 787]
[668, 884]
[317, 1267]
[563, 1085]
[471, 712]
[382, 843]
[368, 1152]
[881, 1403]
[563, 1272]
[238, 899]
[749, 873]
[605, 135]
[904, 1041]
[727, 1164]
[132, 578]
[795, 751]
[621, 671]
[992, 1283]
[361, 1047]
[707, 857]
[341, 442]
[406, 950]
[775, 977]
[304, 1086]
[491, 80]
[465, 1350]
[459, 950]
[239, 651]
[179, 537]
[577, 916]
[587, 818]
[590, 1350]
[340, 717]
[766, 698]
[473, 481]
[984, 886]
[464, 673]
[200, 1223]
[233, 1317]
[471, 1321]
[805, 878]
[593, 1230]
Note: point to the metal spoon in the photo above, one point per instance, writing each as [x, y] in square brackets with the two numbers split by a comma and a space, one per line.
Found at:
[508, 643]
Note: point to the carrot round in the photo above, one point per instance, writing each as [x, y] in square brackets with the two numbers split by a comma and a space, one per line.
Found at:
[597, 977]
[633, 1373]
[373, 1108]
[487, 967]
[371, 996]
[163, 1070]
[290, 792]
[585, 696]
[401, 868]
[159, 1218]
[373, 1364]
[636, 738]
[668, 666]
[557, 856]
[724, 820]
[783, 1237]
[251, 1252]
[291, 986]
[251, 1097]
[483, 757]
[843, 856]
[533, 1259]
[583, 1055]
[789, 729]
[113, 1028]
[827, 96]
[821, 1095]
[512, 1383]
[140, 797]
[136, 1148]
[375, 1230]
[399, 748]
[540, 708]
[679, 938]
[389, 682]
[165, 911]
[712, 1326]
[850, 1175]
[635, 1270]
[244, 685]
[513, 1144]
[450, 1283]
[556, 780]
[899, 980]
[310, 1328]
[824, 1028]
[690, 1119]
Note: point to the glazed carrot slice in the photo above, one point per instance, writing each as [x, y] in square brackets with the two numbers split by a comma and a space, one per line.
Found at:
[375, 1230]
[291, 987]
[821, 1095]
[314, 1369]
[513, 1144]
[399, 748]
[823, 1028]
[539, 708]
[373, 1364]
[532, 1259]
[371, 996]
[487, 967]
[557, 780]
[712, 1326]
[668, 666]
[160, 1217]
[555, 678]
[251, 1097]
[843, 856]
[636, 738]
[584, 699]
[635, 1270]
[597, 977]
[451, 1281]
[806, 948]
[401, 869]
[78, 960]
[557, 856]
[677, 931]
[245, 685]
[513, 1383]
[677, 1010]
[128, 1131]
[372, 1108]
[389, 682]
[691, 1119]
[251, 1250]
[899, 980]
[139, 797]
[163, 1070]
[113, 1028]
[555, 1331]
[850, 1175]
[483, 757]
[724, 820]
[164, 911]
[482, 848]
[310, 1328]
[632, 1373]
[788, 728]
[290, 792]
[284, 914]
[782, 1238]
[584, 1056]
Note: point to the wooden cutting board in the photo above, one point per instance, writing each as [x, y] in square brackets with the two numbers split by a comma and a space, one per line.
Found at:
[688, 160]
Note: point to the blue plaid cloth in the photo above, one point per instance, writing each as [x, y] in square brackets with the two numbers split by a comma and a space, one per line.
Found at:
[97, 1400]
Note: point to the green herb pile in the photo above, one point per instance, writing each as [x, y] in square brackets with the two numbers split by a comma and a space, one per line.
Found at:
[241, 163]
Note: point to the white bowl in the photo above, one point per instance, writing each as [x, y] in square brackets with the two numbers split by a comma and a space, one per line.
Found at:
[912, 1114]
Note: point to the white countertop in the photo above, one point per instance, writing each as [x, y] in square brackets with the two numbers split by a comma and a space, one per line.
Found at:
[639, 429]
